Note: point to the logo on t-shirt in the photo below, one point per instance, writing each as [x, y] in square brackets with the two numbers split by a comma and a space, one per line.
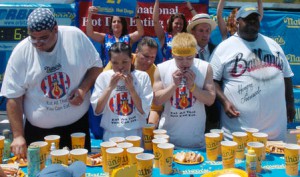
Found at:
[121, 104]
[56, 85]
[182, 99]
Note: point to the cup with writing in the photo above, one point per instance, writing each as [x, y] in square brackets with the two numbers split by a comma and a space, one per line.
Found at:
[291, 155]
[124, 146]
[60, 156]
[148, 136]
[79, 155]
[240, 138]
[2, 138]
[105, 145]
[144, 164]
[78, 140]
[220, 132]
[166, 158]
[228, 153]
[135, 140]
[249, 132]
[212, 141]
[131, 154]
[114, 158]
[262, 138]
[43, 152]
[258, 149]
[156, 152]
[52, 139]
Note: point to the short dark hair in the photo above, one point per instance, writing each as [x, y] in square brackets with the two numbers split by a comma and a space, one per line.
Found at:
[121, 47]
[171, 20]
[148, 41]
[124, 25]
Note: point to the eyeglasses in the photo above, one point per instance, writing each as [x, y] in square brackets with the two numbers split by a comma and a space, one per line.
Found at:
[43, 40]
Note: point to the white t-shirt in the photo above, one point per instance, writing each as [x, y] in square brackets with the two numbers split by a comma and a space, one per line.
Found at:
[47, 78]
[253, 80]
[120, 114]
[183, 116]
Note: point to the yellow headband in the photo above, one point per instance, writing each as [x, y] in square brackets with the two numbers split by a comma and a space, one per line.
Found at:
[184, 51]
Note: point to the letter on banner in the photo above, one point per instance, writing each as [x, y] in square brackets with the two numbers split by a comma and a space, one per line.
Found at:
[123, 8]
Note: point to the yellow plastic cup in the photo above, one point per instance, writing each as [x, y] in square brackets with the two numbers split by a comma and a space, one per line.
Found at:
[163, 136]
[258, 148]
[43, 152]
[60, 156]
[78, 140]
[159, 131]
[117, 139]
[249, 132]
[240, 138]
[131, 154]
[52, 139]
[114, 158]
[228, 153]
[135, 140]
[124, 146]
[291, 157]
[212, 141]
[105, 145]
[220, 132]
[298, 135]
[148, 136]
[144, 164]
[2, 138]
[156, 152]
[79, 155]
[262, 138]
[166, 159]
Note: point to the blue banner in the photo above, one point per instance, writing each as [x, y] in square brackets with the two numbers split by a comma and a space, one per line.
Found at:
[177, 1]
[123, 8]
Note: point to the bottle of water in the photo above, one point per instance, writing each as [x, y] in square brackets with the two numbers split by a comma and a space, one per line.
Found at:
[49, 159]
[7, 143]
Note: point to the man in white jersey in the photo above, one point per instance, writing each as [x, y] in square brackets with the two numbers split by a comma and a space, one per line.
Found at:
[47, 79]
[257, 86]
[184, 85]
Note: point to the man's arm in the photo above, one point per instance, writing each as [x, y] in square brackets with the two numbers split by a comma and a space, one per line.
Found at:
[289, 97]
[14, 107]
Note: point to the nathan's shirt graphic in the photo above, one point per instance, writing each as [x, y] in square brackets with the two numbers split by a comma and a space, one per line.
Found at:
[183, 98]
[56, 85]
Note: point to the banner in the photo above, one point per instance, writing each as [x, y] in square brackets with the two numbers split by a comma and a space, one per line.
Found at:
[121, 8]
[177, 1]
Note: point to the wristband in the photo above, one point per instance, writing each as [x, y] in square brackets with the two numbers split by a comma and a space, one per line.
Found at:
[193, 88]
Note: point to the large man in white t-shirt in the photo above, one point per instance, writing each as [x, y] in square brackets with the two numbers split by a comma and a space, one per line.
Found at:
[257, 86]
[47, 79]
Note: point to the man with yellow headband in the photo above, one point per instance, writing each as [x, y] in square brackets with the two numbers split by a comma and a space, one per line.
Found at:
[184, 85]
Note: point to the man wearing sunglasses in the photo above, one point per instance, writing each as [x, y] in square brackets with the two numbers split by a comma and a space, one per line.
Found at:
[47, 82]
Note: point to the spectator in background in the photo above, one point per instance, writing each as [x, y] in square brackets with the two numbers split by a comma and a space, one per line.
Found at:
[48, 80]
[122, 95]
[184, 85]
[175, 24]
[118, 32]
[257, 89]
[228, 28]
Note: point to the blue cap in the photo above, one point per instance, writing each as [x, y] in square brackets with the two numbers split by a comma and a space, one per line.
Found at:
[246, 10]
[76, 169]
[41, 19]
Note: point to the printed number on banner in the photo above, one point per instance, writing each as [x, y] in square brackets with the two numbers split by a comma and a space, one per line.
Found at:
[113, 1]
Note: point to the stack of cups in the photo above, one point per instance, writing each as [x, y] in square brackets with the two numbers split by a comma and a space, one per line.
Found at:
[156, 152]
[2, 138]
[166, 158]
[78, 140]
[249, 132]
[114, 158]
[105, 145]
[79, 155]
[220, 132]
[135, 140]
[258, 149]
[60, 156]
[144, 164]
[262, 138]
[159, 132]
[240, 138]
[228, 153]
[298, 135]
[291, 159]
[162, 136]
[124, 146]
[148, 136]
[212, 141]
[131, 154]
[52, 139]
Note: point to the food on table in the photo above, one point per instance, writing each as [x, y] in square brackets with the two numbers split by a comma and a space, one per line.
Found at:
[19, 161]
[276, 147]
[95, 159]
[188, 157]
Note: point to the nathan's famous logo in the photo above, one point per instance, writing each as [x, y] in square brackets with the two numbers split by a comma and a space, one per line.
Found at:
[293, 59]
[114, 162]
[146, 171]
[279, 40]
[291, 22]
[183, 98]
[56, 85]
[121, 104]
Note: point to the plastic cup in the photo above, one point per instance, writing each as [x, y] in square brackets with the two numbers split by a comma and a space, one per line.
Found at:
[114, 158]
[298, 135]
[60, 156]
[240, 138]
[43, 152]
[52, 139]
[159, 131]
[212, 141]
[117, 139]
[262, 138]
[220, 132]
[131, 154]
[124, 146]
[156, 152]
[105, 145]
[78, 140]
[228, 153]
[79, 155]
[291, 159]
[162, 136]
[135, 140]
[249, 132]
[144, 164]
[2, 138]
[148, 136]
[166, 159]
[258, 148]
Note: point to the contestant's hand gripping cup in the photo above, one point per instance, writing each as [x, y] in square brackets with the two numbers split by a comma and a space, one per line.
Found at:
[105, 145]
[212, 141]
[60, 156]
[156, 152]
[124, 146]
[240, 138]
[228, 153]
[166, 159]
[135, 140]
[258, 149]
[78, 140]
[52, 139]
[43, 152]
[131, 154]
[114, 158]
[144, 164]
[79, 155]
[2, 138]
[262, 138]
[291, 156]
[148, 136]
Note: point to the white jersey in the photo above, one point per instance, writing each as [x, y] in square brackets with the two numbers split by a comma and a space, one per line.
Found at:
[47, 78]
[120, 114]
[253, 80]
[184, 116]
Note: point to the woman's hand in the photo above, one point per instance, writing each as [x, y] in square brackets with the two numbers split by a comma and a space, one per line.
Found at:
[114, 80]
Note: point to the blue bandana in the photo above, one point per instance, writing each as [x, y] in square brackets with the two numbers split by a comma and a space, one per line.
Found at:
[41, 19]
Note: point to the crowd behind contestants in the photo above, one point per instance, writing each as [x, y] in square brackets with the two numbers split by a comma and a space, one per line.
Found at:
[198, 87]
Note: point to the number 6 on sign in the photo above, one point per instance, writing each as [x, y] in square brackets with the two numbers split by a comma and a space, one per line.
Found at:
[113, 1]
